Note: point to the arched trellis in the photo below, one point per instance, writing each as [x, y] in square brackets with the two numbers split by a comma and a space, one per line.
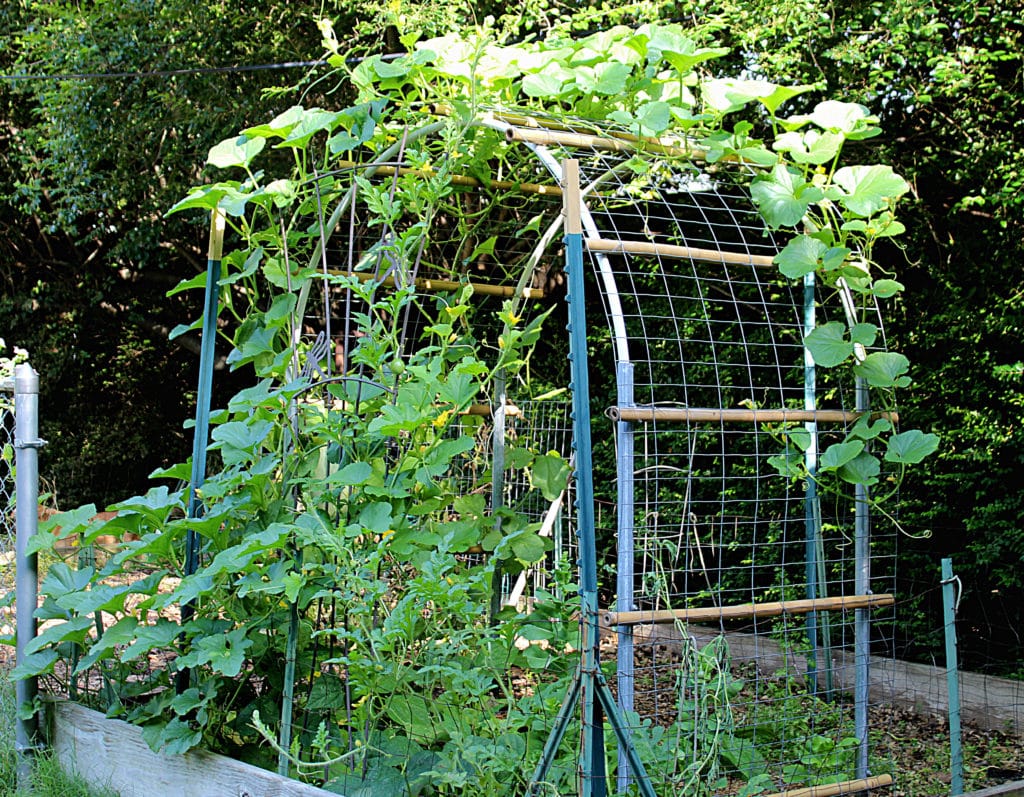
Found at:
[710, 367]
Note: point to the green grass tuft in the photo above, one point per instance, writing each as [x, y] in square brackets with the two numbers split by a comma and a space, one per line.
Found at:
[48, 779]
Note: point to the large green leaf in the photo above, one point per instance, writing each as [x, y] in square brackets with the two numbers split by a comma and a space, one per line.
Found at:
[828, 344]
[800, 256]
[783, 196]
[838, 454]
[911, 447]
[884, 369]
[549, 474]
[237, 151]
[862, 469]
[811, 146]
[225, 653]
[869, 189]
[851, 119]
[173, 738]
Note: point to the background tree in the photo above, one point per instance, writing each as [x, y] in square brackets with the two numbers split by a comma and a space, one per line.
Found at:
[89, 165]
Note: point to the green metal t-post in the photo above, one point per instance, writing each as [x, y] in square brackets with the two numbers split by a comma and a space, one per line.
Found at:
[949, 606]
[588, 685]
[200, 434]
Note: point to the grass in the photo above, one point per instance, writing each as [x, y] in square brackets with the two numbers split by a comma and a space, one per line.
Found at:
[48, 779]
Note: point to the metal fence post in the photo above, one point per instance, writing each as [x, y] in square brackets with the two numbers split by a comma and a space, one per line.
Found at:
[26, 445]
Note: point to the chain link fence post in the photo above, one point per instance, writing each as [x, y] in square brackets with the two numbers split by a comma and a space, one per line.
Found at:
[26, 451]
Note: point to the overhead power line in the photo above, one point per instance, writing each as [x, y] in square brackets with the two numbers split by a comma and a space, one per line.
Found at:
[209, 70]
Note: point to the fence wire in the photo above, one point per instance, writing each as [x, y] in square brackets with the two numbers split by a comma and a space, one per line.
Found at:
[7, 504]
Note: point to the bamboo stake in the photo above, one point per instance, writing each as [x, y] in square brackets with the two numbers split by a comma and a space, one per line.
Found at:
[461, 179]
[706, 415]
[611, 143]
[429, 284]
[538, 123]
[482, 410]
[746, 611]
[835, 789]
[674, 251]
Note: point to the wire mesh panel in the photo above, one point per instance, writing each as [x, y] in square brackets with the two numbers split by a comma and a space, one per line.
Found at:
[739, 589]
[7, 489]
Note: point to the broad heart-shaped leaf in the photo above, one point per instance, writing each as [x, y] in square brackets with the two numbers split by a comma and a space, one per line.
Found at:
[862, 469]
[838, 454]
[869, 189]
[208, 197]
[237, 151]
[653, 118]
[312, 122]
[610, 78]
[412, 712]
[789, 464]
[528, 547]
[542, 85]
[810, 146]
[550, 474]
[864, 334]
[911, 447]
[225, 653]
[156, 503]
[782, 196]
[800, 256]
[352, 473]
[853, 120]
[75, 629]
[173, 738]
[884, 369]
[782, 94]
[883, 289]
[725, 95]
[828, 344]
[238, 439]
[376, 517]
[34, 664]
[280, 126]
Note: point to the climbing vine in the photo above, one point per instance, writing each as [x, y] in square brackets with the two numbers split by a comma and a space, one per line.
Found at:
[352, 502]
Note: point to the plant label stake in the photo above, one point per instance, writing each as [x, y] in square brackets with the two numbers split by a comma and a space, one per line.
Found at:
[588, 685]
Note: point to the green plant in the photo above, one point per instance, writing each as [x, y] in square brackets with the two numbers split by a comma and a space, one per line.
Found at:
[335, 529]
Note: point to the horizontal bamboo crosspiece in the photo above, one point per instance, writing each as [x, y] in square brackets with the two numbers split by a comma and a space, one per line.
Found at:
[674, 251]
[429, 284]
[747, 611]
[858, 786]
[706, 415]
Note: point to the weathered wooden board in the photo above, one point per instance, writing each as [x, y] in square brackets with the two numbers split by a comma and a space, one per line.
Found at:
[1015, 789]
[111, 754]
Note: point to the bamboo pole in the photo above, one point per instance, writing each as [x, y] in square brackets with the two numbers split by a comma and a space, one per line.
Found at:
[482, 410]
[835, 789]
[708, 415]
[461, 179]
[746, 611]
[675, 251]
[611, 143]
[429, 284]
[522, 120]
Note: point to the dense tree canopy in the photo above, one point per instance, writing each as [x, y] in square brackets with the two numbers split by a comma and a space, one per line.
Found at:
[89, 163]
